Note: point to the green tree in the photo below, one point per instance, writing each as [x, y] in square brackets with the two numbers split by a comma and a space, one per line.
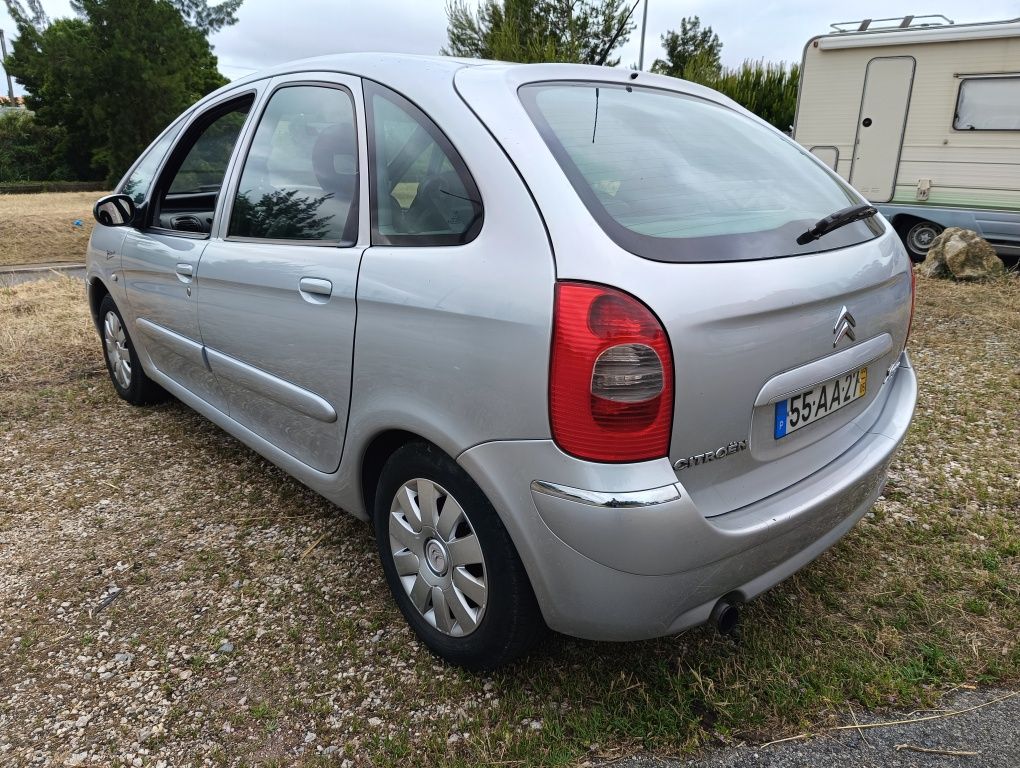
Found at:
[51, 62]
[208, 18]
[283, 214]
[767, 88]
[583, 31]
[693, 53]
[197, 13]
[28, 150]
[115, 75]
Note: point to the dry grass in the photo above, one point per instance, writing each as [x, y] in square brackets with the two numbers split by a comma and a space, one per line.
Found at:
[204, 540]
[39, 228]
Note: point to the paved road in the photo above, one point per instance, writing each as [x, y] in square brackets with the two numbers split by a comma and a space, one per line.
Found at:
[992, 731]
[15, 275]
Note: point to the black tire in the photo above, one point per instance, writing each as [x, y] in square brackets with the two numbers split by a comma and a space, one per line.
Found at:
[137, 388]
[917, 236]
[510, 622]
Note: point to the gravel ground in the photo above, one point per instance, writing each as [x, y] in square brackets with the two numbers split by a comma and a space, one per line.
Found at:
[983, 738]
[169, 598]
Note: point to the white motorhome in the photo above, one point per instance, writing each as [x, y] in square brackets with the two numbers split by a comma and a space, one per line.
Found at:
[922, 117]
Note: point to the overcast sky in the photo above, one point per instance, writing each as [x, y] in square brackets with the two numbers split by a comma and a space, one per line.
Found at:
[272, 31]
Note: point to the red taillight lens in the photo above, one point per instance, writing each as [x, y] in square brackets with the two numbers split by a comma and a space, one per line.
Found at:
[611, 378]
[913, 301]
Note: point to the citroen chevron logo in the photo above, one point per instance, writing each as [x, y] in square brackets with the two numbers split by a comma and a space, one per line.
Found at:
[844, 326]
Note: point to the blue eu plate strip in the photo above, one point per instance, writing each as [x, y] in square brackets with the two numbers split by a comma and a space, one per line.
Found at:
[781, 419]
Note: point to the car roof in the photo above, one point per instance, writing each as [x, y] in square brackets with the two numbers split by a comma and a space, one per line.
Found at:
[433, 71]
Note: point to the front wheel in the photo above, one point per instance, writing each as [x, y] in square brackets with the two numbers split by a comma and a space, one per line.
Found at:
[450, 564]
[919, 237]
[122, 362]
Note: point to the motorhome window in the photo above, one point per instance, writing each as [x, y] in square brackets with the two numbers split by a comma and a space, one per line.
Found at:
[988, 104]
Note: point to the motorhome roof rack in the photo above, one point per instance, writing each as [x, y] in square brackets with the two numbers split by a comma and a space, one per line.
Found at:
[893, 22]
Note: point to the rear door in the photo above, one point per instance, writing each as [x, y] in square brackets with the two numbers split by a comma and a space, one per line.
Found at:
[277, 307]
[160, 262]
[880, 126]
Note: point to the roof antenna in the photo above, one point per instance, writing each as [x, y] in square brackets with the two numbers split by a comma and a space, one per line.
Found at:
[596, 124]
[619, 31]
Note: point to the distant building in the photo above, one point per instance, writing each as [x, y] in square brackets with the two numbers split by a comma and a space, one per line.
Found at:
[6, 105]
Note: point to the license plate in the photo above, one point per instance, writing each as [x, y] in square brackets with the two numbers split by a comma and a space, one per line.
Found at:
[816, 403]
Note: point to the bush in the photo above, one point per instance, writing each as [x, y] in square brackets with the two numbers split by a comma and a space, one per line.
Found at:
[29, 151]
[767, 88]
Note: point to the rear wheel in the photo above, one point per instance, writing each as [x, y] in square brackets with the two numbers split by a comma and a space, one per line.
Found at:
[918, 236]
[450, 564]
[122, 362]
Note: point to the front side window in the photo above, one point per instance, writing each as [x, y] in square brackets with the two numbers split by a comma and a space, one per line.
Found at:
[988, 104]
[140, 179]
[300, 179]
[672, 177]
[422, 193]
[205, 165]
[190, 183]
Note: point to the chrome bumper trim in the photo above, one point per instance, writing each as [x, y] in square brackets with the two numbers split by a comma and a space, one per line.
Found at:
[608, 499]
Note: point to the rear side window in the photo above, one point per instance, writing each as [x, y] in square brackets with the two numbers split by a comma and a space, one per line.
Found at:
[421, 191]
[138, 182]
[300, 179]
[676, 178]
[988, 104]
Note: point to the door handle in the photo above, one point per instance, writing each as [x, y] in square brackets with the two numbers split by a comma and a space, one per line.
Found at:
[316, 285]
[185, 272]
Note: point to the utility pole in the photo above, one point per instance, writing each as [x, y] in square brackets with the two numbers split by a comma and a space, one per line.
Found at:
[644, 25]
[3, 55]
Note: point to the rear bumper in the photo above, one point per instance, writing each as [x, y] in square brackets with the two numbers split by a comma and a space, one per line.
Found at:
[612, 565]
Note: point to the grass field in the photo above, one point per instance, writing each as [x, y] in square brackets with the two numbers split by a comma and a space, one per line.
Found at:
[39, 228]
[165, 593]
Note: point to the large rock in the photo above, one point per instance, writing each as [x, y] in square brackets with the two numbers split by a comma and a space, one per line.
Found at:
[963, 255]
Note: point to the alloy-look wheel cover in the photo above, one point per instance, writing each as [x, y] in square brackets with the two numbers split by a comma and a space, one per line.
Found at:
[438, 557]
[117, 351]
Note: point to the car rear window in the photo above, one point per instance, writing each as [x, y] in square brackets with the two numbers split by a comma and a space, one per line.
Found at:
[673, 177]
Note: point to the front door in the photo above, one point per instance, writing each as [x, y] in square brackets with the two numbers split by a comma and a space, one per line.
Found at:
[278, 281]
[880, 126]
[160, 263]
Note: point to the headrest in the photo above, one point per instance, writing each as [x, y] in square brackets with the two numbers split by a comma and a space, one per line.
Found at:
[335, 158]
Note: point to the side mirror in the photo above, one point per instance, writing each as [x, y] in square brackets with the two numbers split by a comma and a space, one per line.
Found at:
[115, 211]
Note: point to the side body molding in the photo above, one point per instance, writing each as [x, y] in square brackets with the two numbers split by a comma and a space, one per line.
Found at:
[268, 385]
[178, 344]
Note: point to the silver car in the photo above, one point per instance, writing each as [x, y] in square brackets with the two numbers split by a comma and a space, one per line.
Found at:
[593, 350]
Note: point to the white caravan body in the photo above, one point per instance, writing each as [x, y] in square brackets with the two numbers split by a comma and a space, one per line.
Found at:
[923, 119]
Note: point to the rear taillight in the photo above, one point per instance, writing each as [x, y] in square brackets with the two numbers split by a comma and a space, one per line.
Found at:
[913, 300]
[611, 377]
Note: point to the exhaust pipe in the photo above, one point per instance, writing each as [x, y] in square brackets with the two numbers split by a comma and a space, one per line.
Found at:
[726, 617]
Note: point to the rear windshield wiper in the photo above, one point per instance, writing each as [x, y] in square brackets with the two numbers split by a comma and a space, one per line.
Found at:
[837, 220]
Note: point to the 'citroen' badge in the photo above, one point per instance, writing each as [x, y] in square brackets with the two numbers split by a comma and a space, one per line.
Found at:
[844, 326]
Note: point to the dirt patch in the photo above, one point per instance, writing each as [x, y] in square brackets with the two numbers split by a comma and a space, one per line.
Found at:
[45, 227]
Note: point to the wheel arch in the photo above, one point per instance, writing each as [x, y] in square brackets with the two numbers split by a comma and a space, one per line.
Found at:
[97, 291]
[903, 222]
[374, 457]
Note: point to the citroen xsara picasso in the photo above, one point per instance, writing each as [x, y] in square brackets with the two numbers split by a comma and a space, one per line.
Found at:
[593, 349]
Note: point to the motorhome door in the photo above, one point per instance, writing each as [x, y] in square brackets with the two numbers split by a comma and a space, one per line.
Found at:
[880, 126]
